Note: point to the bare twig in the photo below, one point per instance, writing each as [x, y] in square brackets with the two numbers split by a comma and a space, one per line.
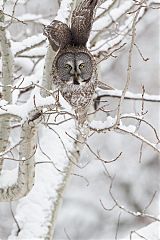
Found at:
[135, 214]
[129, 65]
[141, 138]
[15, 220]
[118, 224]
[125, 116]
[140, 53]
[91, 150]
[106, 55]
[13, 12]
[12, 17]
[131, 233]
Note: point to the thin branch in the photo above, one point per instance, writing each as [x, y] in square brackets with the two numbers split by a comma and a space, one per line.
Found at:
[104, 55]
[2, 154]
[141, 152]
[12, 17]
[140, 53]
[135, 214]
[118, 224]
[141, 138]
[15, 220]
[72, 159]
[13, 12]
[131, 233]
[125, 116]
[67, 235]
[129, 65]
[91, 150]
[150, 202]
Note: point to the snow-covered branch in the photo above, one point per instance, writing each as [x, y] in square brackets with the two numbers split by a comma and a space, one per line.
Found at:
[28, 44]
[109, 30]
[111, 125]
[129, 95]
[26, 173]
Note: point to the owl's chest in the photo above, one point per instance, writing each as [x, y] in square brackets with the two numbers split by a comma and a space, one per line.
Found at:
[78, 96]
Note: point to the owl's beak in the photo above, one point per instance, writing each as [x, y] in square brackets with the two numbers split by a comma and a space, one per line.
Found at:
[75, 78]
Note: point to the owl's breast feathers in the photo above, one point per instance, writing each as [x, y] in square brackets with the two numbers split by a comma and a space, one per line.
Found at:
[78, 96]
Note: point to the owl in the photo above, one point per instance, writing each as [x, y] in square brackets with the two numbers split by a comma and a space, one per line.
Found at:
[74, 68]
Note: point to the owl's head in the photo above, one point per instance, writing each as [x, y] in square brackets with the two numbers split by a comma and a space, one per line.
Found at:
[74, 66]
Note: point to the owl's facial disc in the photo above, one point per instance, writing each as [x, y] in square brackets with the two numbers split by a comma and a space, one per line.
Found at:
[75, 68]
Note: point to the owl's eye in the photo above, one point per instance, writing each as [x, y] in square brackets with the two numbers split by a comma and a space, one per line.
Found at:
[67, 66]
[82, 65]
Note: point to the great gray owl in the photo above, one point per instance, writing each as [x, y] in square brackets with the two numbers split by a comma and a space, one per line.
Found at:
[74, 68]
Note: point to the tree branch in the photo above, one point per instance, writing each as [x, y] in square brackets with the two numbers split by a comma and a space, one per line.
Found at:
[128, 96]
[26, 173]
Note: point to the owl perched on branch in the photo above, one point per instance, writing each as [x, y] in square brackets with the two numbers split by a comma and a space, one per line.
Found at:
[74, 68]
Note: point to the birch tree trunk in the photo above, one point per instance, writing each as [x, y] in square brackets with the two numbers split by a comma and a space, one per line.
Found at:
[26, 173]
[6, 82]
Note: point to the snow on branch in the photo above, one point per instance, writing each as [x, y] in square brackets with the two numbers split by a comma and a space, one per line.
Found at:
[102, 24]
[26, 173]
[111, 125]
[34, 18]
[129, 95]
[30, 115]
[114, 26]
[35, 102]
[65, 10]
[27, 44]
[52, 167]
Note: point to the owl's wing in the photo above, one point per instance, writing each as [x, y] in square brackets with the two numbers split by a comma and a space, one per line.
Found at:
[81, 21]
[58, 34]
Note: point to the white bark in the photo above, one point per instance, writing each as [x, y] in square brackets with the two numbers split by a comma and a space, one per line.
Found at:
[47, 80]
[26, 170]
[7, 77]
[25, 178]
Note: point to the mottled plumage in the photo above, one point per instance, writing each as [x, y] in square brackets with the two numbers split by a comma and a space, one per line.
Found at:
[58, 34]
[74, 68]
[81, 21]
